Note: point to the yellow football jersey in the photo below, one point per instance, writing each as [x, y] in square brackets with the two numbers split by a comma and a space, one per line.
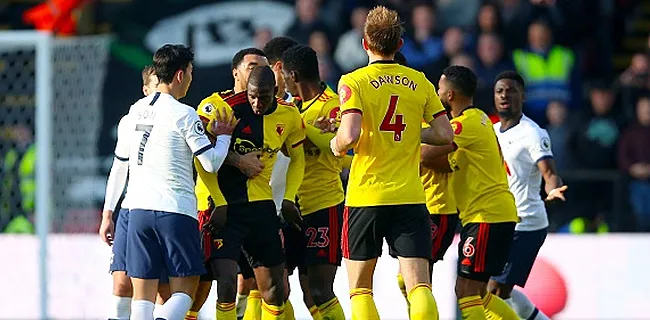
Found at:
[280, 127]
[321, 186]
[479, 179]
[439, 197]
[393, 100]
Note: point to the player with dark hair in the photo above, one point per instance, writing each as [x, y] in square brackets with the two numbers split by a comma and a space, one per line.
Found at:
[243, 62]
[267, 124]
[382, 107]
[159, 140]
[274, 50]
[478, 182]
[321, 193]
[526, 149]
[113, 230]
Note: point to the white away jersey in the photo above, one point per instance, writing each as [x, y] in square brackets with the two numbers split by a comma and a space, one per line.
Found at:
[160, 138]
[523, 146]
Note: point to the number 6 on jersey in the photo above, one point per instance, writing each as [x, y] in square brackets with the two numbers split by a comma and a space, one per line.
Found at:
[396, 127]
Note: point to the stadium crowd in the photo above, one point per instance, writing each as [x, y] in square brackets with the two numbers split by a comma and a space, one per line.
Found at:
[597, 119]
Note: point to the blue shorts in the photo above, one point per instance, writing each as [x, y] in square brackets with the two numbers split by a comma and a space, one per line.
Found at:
[118, 256]
[523, 252]
[160, 241]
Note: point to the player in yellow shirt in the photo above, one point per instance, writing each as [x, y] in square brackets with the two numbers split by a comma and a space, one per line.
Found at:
[479, 184]
[382, 107]
[266, 124]
[243, 63]
[321, 193]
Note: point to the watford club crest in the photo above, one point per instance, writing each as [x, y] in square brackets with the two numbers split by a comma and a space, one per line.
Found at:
[279, 128]
[218, 243]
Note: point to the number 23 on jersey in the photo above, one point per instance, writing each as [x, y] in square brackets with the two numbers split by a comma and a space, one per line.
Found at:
[392, 121]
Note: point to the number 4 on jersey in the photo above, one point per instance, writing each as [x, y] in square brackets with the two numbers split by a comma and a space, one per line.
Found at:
[396, 127]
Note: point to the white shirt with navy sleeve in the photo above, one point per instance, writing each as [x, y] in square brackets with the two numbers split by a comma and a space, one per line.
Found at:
[163, 137]
[523, 146]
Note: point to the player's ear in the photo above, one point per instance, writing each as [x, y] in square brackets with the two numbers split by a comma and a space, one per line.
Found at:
[179, 75]
[400, 44]
[277, 65]
[145, 90]
[234, 73]
[295, 77]
[364, 44]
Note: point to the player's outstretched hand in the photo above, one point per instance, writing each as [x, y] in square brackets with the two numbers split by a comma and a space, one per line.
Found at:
[107, 228]
[224, 124]
[557, 194]
[218, 217]
[250, 164]
[291, 214]
[325, 124]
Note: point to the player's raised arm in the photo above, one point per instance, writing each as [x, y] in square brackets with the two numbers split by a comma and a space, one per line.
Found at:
[296, 170]
[211, 158]
[349, 130]
[116, 181]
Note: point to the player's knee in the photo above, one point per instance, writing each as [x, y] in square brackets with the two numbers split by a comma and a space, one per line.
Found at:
[467, 287]
[321, 291]
[226, 288]
[275, 293]
[122, 286]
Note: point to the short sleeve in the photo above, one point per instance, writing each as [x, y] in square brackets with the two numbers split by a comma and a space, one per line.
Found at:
[298, 134]
[433, 107]
[207, 108]
[539, 146]
[122, 146]
[462, 132]
[349, 96]
[192, 130]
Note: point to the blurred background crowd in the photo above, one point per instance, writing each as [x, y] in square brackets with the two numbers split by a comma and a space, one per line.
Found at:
[586, 63]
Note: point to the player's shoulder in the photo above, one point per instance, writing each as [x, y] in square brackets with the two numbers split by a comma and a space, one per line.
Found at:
[226, 93]
[531, 126]
[236, 98]
[328, 95]
[471, 120]
[286, 108]
[208, 106]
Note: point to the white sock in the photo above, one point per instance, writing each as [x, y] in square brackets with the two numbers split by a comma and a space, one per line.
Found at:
[121, 309]
[141, 310]
[156, 311]
[176, 307]
[242, 300]
[524, 308]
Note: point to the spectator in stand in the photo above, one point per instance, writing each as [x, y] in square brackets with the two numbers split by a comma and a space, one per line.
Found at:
[559, 130]
[550, 71]
[307, 21]
[349, 53]
[462, 59]
[421, 46]
[594, 142]
[262, 36]
[634, 81]
[329, 71]
[453, 43]
[488, 21]
[634, 159]
[489, 63]
[515, 17]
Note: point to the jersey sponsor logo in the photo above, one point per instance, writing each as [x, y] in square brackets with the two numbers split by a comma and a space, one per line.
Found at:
[198, 128]
[344, 94]
[208, 108]
[279, 128]
[243, 146]
[457, 126]
[546, 144]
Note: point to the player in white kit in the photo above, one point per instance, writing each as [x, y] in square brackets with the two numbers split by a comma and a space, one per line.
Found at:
[526, 150]
[160, 139]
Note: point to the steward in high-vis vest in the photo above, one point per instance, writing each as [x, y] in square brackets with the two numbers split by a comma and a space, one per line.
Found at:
[548, 70]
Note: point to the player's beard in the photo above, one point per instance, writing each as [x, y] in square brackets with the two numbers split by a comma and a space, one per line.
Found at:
[446, 105]
[506, 113]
